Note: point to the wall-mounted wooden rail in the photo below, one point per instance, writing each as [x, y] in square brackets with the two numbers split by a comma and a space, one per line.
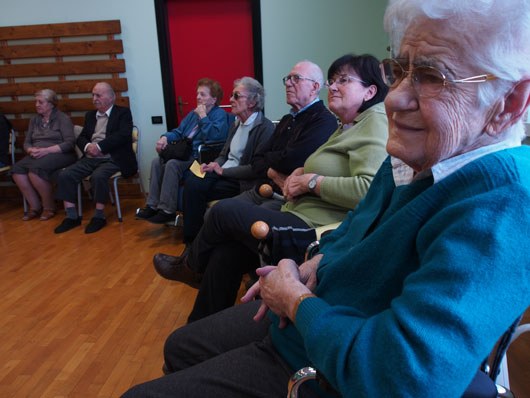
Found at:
[68, 58]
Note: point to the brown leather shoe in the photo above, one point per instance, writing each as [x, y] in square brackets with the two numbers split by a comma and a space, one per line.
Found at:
[176, 269]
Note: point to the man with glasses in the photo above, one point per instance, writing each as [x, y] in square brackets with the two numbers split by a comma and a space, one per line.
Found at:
[299, 133]
[331, 181]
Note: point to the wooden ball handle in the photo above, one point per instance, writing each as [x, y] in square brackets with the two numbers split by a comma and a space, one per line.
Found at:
[266, 191]
[259, 230]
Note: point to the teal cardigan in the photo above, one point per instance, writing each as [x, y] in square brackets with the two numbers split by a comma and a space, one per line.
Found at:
[419, 282]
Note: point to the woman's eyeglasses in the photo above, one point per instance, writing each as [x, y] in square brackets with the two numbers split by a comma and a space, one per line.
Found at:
[295, 79]
[237, 96]
[342, 80]
[426, 80]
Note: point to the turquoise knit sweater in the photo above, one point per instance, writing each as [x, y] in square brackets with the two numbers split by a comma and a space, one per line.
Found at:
[418, 283]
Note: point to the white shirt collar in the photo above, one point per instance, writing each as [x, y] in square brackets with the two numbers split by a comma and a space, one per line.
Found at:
[250, 120]
[404, 174]
[296, 113]
[107, 112]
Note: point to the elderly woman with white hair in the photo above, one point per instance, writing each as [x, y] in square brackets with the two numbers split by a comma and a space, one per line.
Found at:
[232, 171]
[49, 146]
[410, 294]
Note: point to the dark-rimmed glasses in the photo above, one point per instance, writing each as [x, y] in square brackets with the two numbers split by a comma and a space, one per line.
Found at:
[237, 96]
[295, 79]
[342, 80]
[426, 80]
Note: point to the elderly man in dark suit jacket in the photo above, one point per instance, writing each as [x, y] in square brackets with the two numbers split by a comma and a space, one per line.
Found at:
[106, 142]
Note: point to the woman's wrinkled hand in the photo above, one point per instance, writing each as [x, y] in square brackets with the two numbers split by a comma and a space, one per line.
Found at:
[296, 184]
[38, 153]
[212, 167]
[161, 144]
[280, 289]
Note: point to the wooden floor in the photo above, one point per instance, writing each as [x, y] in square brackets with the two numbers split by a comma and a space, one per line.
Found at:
[86, 315]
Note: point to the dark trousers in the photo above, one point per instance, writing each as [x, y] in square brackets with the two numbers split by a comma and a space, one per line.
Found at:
[252, 196]
[222, 279]
[100, 170]
[197, 193]
[224, 250]
[224, 355]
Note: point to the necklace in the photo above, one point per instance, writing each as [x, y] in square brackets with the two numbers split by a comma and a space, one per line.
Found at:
[45, 122]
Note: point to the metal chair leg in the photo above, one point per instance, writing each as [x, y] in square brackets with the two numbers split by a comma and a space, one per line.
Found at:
[79, 202]
[117, 198]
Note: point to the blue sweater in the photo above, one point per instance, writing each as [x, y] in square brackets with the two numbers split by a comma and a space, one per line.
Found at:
[417, 285]
[213, 127]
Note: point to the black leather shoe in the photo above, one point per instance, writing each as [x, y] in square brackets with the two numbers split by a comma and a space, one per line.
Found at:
[67, 224]
[161, 217]
[145, 213]
[95, 225]
[176, 269]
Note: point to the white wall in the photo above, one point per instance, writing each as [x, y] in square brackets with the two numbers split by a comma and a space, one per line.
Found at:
[320, 31]
[141, 54]
[291, 31]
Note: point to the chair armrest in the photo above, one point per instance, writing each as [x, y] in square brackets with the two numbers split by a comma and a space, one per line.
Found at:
[208, 151]
[313, 247]
[209, 144]
[520, 330]
[301, 376]
[320, 231]
[312, 250]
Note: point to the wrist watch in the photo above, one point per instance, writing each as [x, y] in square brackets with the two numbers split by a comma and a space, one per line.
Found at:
[313, 183]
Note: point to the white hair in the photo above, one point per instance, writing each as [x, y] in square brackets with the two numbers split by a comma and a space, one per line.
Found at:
[315, 72]
[503, 27]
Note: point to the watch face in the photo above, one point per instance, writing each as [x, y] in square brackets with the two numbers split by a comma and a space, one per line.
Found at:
[312, 183]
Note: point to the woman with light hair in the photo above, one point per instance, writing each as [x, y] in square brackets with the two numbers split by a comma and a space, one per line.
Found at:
[232, 172]
[49, 146]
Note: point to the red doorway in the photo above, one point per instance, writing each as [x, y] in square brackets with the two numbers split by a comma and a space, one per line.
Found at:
[208, 38]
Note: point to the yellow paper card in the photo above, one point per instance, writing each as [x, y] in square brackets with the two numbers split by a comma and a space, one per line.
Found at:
[196, 169]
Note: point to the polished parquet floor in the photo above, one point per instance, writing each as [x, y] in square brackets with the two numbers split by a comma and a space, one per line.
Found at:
[86, 315]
